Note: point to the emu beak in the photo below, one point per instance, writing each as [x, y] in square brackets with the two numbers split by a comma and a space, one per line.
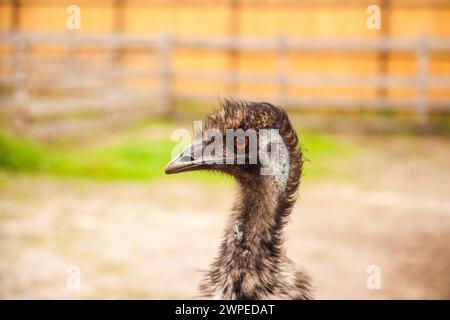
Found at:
[186, 161]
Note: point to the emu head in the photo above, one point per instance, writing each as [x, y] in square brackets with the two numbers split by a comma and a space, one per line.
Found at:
[248, 141]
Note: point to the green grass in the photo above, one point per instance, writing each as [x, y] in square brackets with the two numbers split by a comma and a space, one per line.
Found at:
[129, 160]
[136, 158]
[325, 156]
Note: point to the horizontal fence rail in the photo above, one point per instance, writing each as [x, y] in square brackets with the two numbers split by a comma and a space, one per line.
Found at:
[76, 76]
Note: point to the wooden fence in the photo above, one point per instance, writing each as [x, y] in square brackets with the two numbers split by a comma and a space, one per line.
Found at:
[107, 92]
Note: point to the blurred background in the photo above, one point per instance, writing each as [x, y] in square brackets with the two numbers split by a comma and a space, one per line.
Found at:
[90, 93]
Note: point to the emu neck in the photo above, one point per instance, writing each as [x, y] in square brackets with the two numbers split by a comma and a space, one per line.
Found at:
[251, 253]
[253, 221]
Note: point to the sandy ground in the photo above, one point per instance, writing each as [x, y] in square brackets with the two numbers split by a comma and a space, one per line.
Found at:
[152, 240]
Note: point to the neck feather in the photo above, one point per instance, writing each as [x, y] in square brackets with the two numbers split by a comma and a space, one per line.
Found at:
[251, 256]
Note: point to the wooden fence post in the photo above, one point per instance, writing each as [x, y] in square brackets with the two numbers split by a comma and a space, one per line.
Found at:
[234, 33]
[232, 77]
[69, 64]
[282, 70]
[114, 74]
[20, 76]
[422, 62]
[165, 95]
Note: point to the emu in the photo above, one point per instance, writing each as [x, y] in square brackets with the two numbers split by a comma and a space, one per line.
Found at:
[252, 263]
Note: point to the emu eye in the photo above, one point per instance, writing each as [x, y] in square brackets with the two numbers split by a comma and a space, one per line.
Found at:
[240, 142]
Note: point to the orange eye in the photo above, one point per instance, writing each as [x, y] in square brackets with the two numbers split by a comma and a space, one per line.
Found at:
[240, 142]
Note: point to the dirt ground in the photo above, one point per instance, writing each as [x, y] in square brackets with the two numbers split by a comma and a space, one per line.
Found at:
[152, 240]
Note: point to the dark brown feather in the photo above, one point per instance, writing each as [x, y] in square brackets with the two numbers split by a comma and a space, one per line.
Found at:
[252, 263]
